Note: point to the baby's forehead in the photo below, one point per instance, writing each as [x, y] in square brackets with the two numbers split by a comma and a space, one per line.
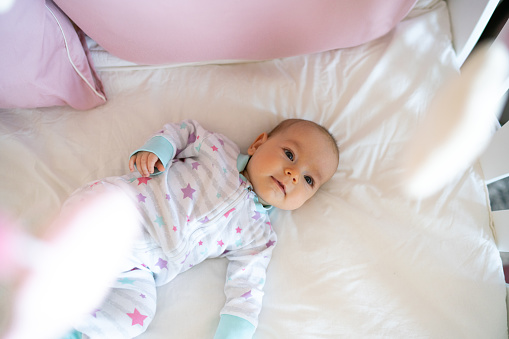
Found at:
[299, 128]
[313, 133]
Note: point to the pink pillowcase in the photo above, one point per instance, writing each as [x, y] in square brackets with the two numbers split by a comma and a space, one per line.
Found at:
[167, 31]
[43, 61]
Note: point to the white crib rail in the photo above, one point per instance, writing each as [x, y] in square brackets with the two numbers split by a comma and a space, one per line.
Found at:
[501, 223]
[495, 165]
[495, 160]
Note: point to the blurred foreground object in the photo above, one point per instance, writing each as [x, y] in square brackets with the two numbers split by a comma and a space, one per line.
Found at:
[459, 124]
[66, 275]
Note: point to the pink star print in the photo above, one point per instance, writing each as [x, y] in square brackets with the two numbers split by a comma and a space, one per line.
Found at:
[227, 214]
[191, 138]
[188, 192]
[238, 229]
[221, 142]
[200, 243]
[141, 197]
[220, 243]
[247, 295]
[270, 243]
[214, 148]
[143, 180]
[195, 165]
[174, 228]
[137, 317]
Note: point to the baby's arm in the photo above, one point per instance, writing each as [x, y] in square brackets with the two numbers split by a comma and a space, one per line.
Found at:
[145, 163]
[246, 274]
[155, 156]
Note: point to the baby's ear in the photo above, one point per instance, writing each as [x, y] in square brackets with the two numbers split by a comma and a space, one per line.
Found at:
[257, 143]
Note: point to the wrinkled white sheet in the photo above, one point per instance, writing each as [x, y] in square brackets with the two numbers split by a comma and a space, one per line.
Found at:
[358, 260]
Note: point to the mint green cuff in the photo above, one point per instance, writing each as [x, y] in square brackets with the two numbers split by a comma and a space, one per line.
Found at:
[73, 335]
[232, 327]
[160, 147]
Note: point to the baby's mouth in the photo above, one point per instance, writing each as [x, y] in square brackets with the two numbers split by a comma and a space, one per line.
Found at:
[280, 184]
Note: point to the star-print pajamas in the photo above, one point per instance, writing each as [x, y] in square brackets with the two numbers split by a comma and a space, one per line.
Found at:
[200, 207]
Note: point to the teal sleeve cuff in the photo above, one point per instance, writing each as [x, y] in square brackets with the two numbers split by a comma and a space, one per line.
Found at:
[232, 327]
[160, 147]
[73, 335]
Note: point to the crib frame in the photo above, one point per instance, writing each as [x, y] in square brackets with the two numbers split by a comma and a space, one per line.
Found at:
[468, 21]
[469, 18]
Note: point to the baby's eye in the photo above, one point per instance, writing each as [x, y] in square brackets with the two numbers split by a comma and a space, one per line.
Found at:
[289, 154]
[309, 180]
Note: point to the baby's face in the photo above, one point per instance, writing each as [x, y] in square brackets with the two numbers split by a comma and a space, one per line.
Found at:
[288, 168]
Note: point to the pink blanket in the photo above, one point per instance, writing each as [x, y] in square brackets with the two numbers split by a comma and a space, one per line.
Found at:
[167, 31]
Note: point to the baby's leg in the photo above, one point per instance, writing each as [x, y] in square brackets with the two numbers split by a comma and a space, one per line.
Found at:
[127, 310]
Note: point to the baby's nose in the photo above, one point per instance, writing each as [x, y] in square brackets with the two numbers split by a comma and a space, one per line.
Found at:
[293, 174]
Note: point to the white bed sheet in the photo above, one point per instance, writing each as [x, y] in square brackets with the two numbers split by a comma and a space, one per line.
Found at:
[358, 260]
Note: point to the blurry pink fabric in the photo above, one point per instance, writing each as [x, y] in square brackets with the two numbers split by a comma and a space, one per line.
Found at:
[166, 31]
[43, 62]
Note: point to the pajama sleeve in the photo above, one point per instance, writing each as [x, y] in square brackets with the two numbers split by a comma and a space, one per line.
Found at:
[175, 140]
[245, 280]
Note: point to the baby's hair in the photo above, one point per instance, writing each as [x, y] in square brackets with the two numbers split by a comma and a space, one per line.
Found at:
[285, 124]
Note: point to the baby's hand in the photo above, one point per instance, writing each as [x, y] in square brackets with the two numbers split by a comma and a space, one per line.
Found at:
[145, 163]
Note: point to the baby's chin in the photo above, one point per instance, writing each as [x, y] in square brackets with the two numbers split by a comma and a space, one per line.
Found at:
[286, 207]
[280, 204]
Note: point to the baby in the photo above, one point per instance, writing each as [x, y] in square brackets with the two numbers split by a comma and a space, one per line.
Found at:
[199, 198]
